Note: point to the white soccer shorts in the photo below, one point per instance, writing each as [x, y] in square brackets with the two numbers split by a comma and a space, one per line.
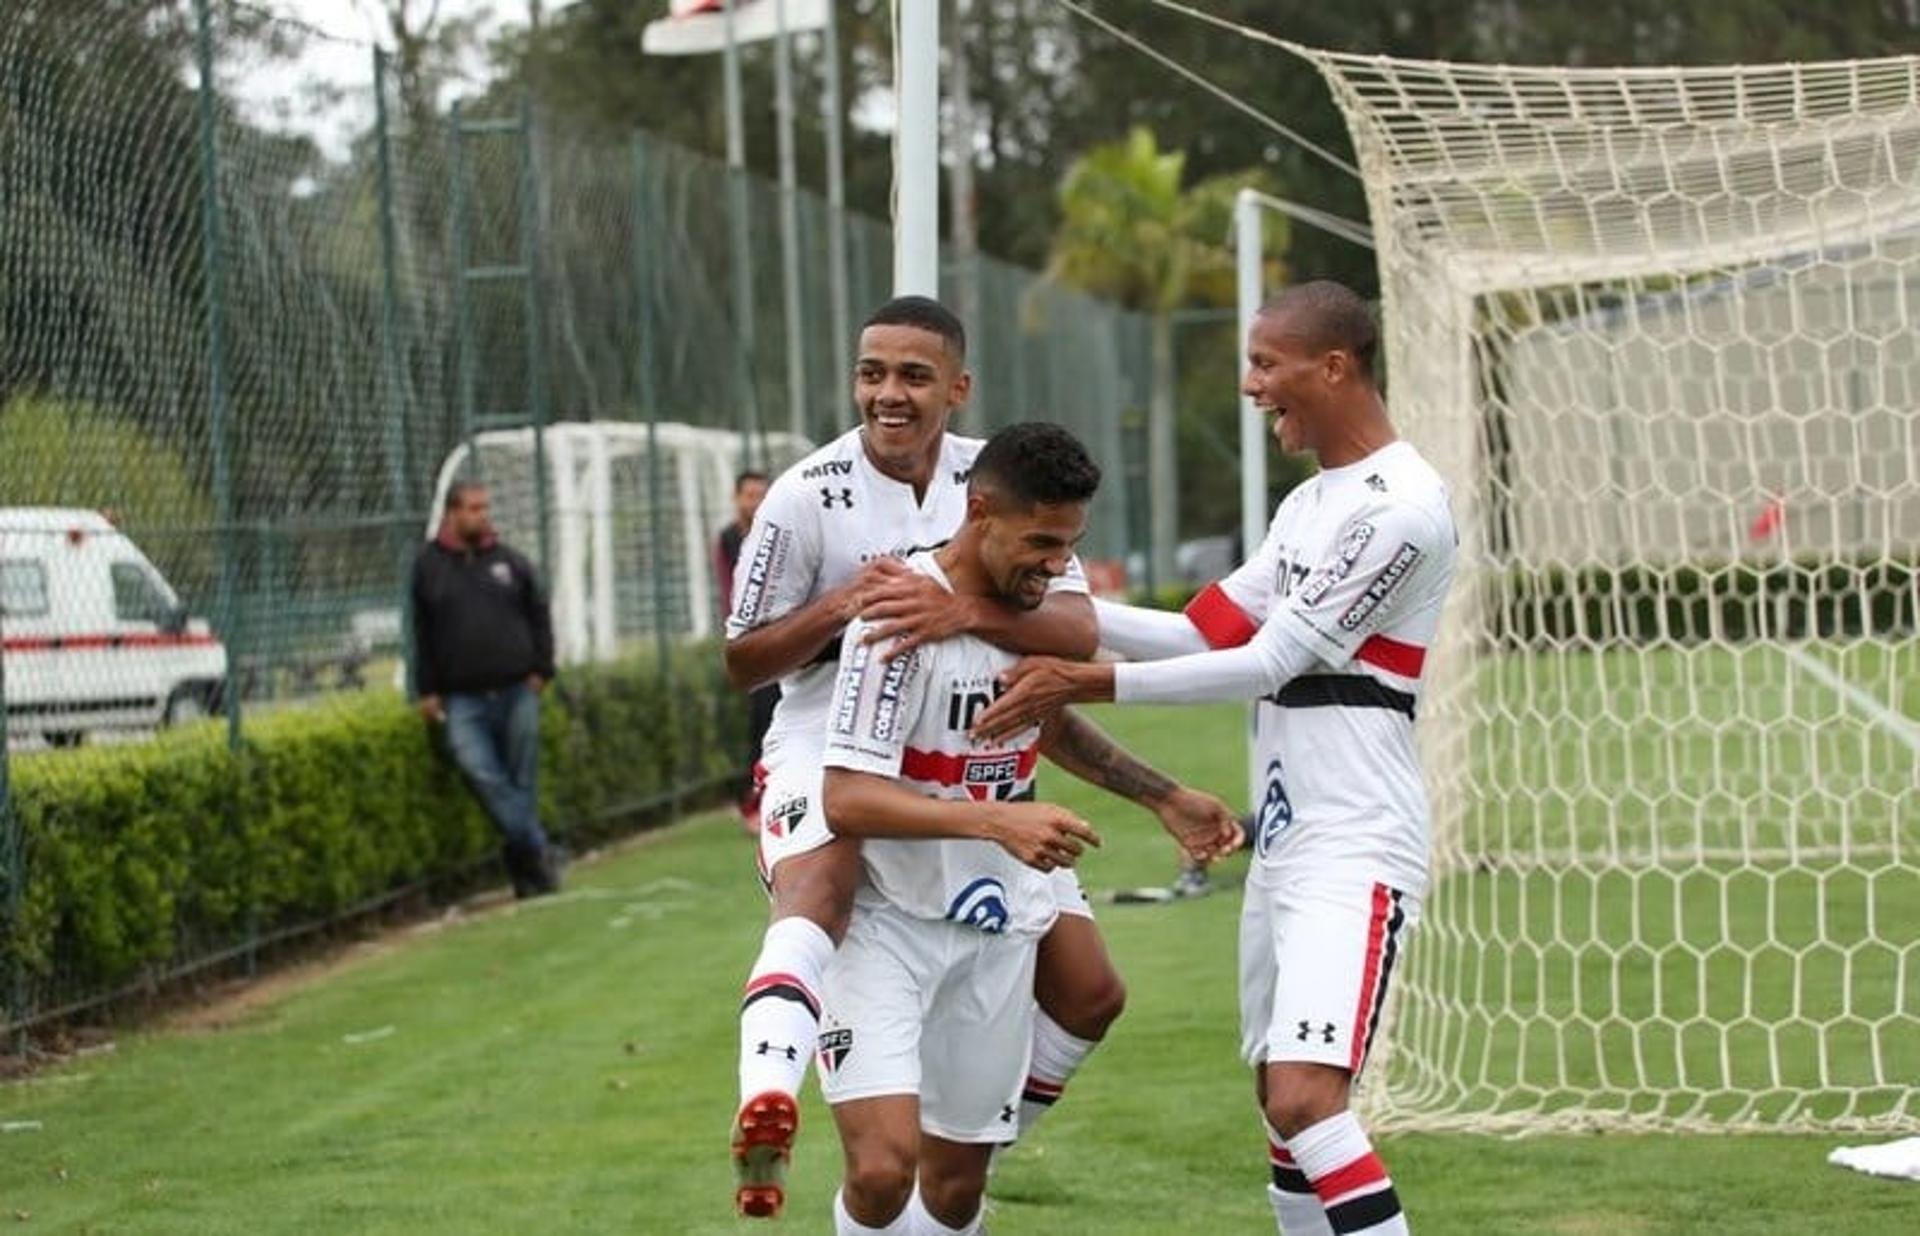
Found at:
[1317, 956]
[791, 822]
[932, 1008]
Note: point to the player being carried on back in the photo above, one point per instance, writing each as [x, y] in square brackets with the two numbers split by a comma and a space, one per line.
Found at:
[924, 1040]
[1328, 625]
[825, 548]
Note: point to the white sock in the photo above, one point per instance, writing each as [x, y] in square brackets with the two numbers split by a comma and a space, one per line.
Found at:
[1296, 1207]
[920, 1220]
[1352, 1182]
[845, 1224]
[1057, 1055]
[780, 1012]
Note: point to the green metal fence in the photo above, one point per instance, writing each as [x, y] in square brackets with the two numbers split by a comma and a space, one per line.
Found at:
[232, 367]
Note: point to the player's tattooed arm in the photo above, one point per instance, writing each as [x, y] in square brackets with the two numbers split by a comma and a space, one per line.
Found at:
[910, 611]
[1083, 749]
[1205, 827]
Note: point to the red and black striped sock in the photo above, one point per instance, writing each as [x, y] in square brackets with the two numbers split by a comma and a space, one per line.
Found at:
[1351, 1181]
[1296, 1207]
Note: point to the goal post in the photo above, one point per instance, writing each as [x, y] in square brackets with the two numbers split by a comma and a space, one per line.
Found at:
[1657, 328]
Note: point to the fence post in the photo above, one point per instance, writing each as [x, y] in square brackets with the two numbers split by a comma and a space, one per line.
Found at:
[649, 395]
[215, 260]
[537, 401]
[392, 359]
[13, 869]
[214, 257]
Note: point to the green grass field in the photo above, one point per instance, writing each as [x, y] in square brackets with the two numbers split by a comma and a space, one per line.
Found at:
[568, 1067]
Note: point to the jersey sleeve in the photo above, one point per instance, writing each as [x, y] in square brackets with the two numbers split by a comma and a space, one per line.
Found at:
[779, 561]
[876, 702]
[1229, 611]
[1381, 555]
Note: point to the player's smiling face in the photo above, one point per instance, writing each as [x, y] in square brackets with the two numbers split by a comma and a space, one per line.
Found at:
[1286, 379]
[1025, 550]
[906, 385]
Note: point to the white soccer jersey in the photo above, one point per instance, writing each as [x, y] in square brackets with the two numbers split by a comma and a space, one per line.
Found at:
[1357, 561]
[907, 718]
[822, 520]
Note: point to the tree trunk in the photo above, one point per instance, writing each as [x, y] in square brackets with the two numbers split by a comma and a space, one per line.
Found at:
[1163, 457]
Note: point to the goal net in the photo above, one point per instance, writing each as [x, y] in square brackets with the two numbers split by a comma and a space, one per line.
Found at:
[1658, 329]
[629, 537]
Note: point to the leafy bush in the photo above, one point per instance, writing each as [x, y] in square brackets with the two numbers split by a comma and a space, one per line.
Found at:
[142, 857]
[1730, 602]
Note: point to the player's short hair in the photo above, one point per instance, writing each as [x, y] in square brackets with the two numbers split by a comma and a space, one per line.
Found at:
[923, 313]
[1035, 463]
[458, 491]
[741, 478]
[1332, 315]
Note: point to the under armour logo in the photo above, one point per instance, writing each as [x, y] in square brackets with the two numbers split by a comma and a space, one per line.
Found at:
[830, 495]
[1325, 1031]
[1377, 484]
[778, 1049]
[1006, 1113]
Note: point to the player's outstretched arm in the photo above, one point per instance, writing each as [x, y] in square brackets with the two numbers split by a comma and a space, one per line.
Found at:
[1205, 827]
[764, 653]
[907, 611]
[1141, 634]
[862, 804]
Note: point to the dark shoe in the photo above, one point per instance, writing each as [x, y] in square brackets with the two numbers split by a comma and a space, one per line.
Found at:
[527, 868]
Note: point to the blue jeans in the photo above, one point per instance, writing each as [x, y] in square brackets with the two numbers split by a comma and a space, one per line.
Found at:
[495, 739]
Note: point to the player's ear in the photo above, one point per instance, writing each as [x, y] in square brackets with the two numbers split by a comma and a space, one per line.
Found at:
[1336, 366]
[962, 387]
[978, 505]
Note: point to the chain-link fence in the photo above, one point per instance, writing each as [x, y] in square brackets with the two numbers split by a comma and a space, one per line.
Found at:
[233, 371]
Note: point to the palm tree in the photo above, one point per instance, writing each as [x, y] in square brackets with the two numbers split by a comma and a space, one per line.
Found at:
[1129, 232]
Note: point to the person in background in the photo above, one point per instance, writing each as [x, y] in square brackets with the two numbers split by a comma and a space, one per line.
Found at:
[749, 490]
[483, 643]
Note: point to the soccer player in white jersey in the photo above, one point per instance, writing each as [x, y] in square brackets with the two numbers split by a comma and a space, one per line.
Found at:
[825, 547]
[1328, 625]
[928, 1018]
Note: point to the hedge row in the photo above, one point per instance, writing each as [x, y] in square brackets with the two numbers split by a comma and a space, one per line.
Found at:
[1729, 603]
[140, 858]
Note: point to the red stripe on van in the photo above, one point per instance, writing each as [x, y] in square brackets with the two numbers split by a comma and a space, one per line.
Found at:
[84, 643]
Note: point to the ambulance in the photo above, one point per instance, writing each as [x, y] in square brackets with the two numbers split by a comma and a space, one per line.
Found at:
[92, 637]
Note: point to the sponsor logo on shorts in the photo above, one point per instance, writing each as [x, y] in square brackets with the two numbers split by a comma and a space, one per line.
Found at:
[767, 555]
[982, 905]
[785, 819]
[1323, 1029]
[1389, 578]
[835, 1047]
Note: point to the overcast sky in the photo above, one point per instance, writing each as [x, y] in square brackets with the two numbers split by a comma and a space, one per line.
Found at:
[294, 94]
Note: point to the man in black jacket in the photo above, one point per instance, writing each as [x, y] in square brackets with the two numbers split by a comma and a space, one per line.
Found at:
[483, 641]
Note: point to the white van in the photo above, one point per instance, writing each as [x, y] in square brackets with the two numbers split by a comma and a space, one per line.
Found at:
[91, 636]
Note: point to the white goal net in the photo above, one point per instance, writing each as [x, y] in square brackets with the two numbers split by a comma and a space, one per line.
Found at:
[630, 537]
[1657, 327]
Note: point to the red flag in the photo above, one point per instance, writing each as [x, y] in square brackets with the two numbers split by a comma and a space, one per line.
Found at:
[1772, 517]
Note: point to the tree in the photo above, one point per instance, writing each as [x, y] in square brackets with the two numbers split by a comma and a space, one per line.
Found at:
[1131, 233]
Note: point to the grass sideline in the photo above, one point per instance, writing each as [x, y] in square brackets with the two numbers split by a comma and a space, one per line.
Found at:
[568, 1066]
